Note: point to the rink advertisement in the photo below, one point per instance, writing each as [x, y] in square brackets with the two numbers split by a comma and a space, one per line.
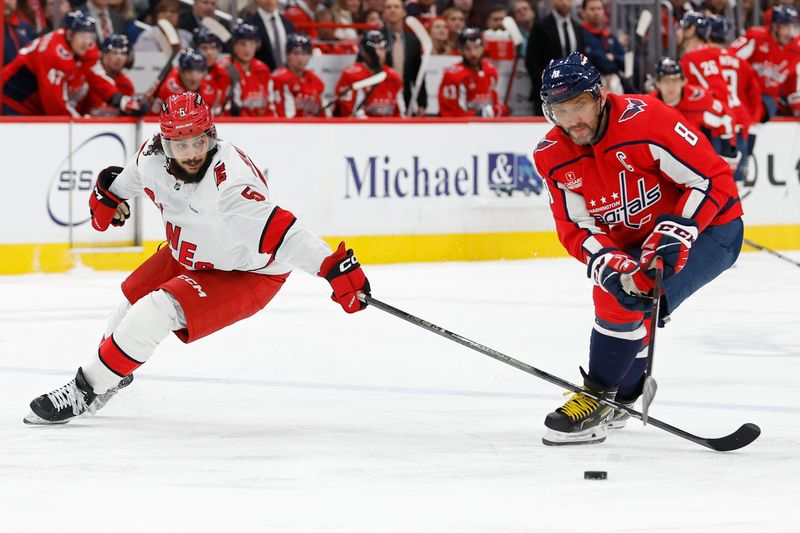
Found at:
[395, 191]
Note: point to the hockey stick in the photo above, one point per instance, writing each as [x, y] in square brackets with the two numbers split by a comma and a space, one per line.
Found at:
[740, 438]
[427, 49]
[650, 386]
[175, 46]
[375, 79]
[516, 37]
[217, 28]
[779, 255]
[642, 25]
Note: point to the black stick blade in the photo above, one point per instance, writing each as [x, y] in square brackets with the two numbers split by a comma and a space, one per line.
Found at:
[738, 439]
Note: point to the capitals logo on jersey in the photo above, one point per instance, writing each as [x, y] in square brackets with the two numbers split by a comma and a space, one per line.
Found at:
[635, 106]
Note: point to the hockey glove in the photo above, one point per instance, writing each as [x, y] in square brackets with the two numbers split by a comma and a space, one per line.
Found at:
[672, 238]
[730, 155]
[618, 274]
[104, 206]
[343, 272]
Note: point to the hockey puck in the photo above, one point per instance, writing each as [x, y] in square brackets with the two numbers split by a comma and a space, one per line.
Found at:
[595, 474]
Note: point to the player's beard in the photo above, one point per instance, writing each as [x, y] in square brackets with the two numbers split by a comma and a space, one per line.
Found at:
[182, 174]
[589, 132]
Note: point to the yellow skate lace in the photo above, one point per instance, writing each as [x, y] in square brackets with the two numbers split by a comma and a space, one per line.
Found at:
[578, 406]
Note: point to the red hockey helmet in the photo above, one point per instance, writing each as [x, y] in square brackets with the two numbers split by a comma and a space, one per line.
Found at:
[187, 118]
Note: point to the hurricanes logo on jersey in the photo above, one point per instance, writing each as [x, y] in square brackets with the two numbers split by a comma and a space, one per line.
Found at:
[635, 106]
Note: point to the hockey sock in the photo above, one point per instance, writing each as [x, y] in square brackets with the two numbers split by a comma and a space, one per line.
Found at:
[630, 388]
[142, 328]
[612, 350]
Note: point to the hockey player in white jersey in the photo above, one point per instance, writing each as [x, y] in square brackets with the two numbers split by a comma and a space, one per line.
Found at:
[229, 250]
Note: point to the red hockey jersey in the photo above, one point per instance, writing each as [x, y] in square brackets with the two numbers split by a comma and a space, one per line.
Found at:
[728, 78]
[296, 96]
[93, 104]
[382, 100]
[220, 79]
[704, 111]
[466, 92]
[38, 81]
[649, 161]
[790, 90]
[769, 60]
[172, 85]
[250, 89]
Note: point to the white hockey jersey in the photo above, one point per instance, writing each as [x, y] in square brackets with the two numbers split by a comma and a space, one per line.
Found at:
[226, 221]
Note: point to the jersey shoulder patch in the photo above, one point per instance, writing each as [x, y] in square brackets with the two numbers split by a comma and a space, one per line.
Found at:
[635, 106]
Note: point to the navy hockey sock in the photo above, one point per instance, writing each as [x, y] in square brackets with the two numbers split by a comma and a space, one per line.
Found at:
[630, 388]
[613, 349]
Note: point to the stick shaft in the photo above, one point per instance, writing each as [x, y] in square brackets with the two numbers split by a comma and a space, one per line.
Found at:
[779, 255]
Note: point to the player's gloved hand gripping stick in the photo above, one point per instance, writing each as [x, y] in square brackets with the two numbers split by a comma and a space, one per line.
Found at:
[343, 272]
[104, 206]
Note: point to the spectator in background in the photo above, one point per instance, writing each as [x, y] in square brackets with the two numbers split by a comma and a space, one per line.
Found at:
[494, 20]
[524, 16]
[714, 7]
[125, 8]
[217, 75]
[34, 14]
[108, 21]
[374, 18]
[456, 21]
[191, 18]
[302, 12]
[382, 100]
[249, 76]
[113, 58]
[469, 88]
[601, 46]
[152, 39]
[422, 9]
[346, 12]
[296, 91]
[465, 6]
[272, 28]
[440, 36]
[16, 34]
[404, 52]
[557, 35]
[377, 5]
[326, 41]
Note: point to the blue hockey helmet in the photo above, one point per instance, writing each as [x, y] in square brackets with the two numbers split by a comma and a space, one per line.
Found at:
[719, 27]
[371, 40]
[469, 35]
[80, 21]
[698, 21]
[116, 41]
[568, 77]
[192, 59]
[298, 41]
[668, 67]
[245, 32]
[784, 14]
[201, 35]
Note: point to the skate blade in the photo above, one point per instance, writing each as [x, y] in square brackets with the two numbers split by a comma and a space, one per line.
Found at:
[594, 435]
[32, 419]
[619, 424]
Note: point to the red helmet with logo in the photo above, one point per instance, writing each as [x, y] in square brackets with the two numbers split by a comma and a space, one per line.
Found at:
[185, 116]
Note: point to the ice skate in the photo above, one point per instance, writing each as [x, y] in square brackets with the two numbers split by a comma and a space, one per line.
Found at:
[60, 406]
[103, 399]
[581, 420]
[620, 418]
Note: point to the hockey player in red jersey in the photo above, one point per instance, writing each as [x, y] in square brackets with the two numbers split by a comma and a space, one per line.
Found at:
[294, 90]
[382, 100]
[189, 75]
[217, 75]
[766, 49]
[229, 251]
[469, 88]
[704, 112]
[249, 76]
[39, 79]
[630, 179]
[113, 58]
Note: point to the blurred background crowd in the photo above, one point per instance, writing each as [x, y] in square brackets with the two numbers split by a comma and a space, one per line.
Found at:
[263, 58]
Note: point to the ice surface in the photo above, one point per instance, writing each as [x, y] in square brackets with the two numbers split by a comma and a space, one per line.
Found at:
[303, 418]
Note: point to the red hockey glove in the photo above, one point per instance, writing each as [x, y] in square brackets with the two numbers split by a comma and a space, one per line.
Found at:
[344, 273]
[671, 239]
[618, 274]
[104, 206]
